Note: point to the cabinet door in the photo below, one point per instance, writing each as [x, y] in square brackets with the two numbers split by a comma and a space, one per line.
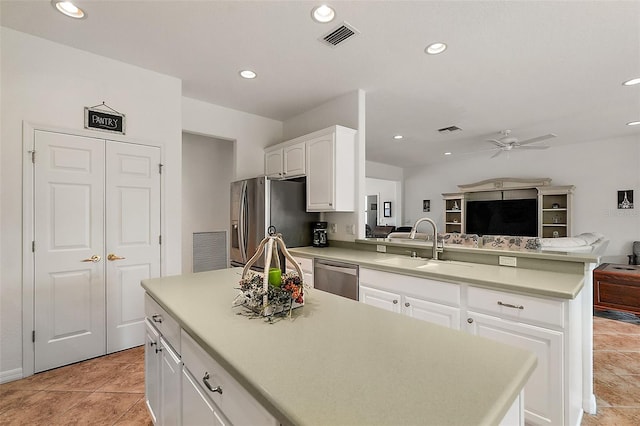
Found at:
[321, 173]
[543, 402]
[197, 409]
[273, 163]
[152, 370]
[380, 299]
[294, 160]
[170, 369]
[434, 313]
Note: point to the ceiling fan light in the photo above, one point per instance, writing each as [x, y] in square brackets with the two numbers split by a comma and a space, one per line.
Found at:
[398, 137]
[68, 9]
[632, 82]
[633, 123]
[248, 74]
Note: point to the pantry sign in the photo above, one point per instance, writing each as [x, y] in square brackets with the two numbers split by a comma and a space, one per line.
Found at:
[106, 121]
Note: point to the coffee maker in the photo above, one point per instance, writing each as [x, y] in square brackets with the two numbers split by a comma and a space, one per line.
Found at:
[320, 234]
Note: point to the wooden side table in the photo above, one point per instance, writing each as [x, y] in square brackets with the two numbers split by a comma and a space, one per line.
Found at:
[617, 287]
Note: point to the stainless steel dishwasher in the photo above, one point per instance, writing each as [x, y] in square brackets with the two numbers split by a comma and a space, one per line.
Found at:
[336, 277]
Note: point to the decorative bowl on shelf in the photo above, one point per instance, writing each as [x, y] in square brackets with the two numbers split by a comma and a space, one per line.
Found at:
[555, 206]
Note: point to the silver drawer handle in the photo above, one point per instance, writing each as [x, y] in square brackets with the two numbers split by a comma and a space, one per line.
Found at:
[509, 305]
[156, 318]
[205, 380]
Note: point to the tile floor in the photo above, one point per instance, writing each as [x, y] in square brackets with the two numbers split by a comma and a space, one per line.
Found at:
[616, 363]
[102, 391]
[110, 390]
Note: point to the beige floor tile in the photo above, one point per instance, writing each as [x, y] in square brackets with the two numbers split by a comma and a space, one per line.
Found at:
[616, 342]
[90, 377]
[40, 407]
[618, 391]
[126, 378]
[615, 362]
[138, 415]
[99, 408]
[613, 416]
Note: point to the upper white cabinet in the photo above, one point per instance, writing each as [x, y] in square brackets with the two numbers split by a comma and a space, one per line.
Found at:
[285, 162]
[331, 179]
[327, 158]
[273, 163]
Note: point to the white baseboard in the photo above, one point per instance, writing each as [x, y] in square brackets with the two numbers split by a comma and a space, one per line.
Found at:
[10, 375]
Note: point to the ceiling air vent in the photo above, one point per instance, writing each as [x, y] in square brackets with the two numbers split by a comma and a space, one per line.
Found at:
[341, 34]
[449, 129]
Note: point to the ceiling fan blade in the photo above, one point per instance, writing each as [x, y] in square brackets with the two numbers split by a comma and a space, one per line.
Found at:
[537, 139]
[534, 147]
[496, 154]
[497, 143]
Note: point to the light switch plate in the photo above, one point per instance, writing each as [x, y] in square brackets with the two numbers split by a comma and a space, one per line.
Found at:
[507, 261]
[381, 248]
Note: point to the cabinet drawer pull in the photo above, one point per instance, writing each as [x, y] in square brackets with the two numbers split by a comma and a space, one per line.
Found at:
[407, 304]
[157, 318]
[205, 380]
[509, 305]
[395, 302]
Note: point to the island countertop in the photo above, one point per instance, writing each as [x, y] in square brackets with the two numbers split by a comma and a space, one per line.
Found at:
[521, 280]
[340, 362]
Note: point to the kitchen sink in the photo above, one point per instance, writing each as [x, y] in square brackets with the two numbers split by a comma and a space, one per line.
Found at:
[405, 262]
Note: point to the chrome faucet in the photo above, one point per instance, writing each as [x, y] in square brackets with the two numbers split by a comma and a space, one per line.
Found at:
[412, 235]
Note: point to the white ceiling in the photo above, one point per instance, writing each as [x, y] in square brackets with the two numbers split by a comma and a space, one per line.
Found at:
[534, 67]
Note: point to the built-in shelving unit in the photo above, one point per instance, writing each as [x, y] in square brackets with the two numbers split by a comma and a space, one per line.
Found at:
[554, 203]
[454, 213]
[554, 206]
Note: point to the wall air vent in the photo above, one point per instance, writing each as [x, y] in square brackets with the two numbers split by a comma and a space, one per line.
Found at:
[339, 35]
[449, 129]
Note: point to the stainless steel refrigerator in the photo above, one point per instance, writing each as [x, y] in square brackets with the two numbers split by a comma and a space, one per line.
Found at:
[259, 203]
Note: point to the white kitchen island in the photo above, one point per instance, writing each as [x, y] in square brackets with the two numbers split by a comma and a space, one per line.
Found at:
[335, 362]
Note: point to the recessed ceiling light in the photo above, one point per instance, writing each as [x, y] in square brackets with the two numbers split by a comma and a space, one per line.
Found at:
[323, 14]
[398, 137]
[447, 153]
[248, 74]
[435, 48]
[632, 82]
[68, 8]
[633, 123]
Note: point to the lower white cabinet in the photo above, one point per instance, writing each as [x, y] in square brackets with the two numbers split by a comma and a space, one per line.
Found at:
[425, 299]
[545, 326]
[544, 390]
[162, 378]
[306, 265]
[213, 395]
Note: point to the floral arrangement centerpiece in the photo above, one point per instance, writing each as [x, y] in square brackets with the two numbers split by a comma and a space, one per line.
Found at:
[272, 292]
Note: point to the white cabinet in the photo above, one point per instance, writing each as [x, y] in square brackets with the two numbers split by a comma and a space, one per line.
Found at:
[331, 170]
[162, 364]
[534, 324]
[294, 160]
[306, 265]
[273, 163]
[152, 371]
[285, 161]
[211, 396]
[425, 299]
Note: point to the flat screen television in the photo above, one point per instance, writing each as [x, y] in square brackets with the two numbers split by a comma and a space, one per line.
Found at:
[503, 217]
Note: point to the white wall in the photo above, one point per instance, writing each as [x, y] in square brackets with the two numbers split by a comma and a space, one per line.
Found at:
[388, 190]
[383, 171]
[206, 176]
[250, 132]
[49, 84]
[348, 111]
[597, 169]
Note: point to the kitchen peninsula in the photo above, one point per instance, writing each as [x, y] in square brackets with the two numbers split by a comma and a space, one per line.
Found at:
[336, 361]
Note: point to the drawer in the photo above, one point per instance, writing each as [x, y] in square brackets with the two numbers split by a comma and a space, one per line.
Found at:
[305, 264]
[517, 307]
[166, 325]
[233, 400]
[424, 288]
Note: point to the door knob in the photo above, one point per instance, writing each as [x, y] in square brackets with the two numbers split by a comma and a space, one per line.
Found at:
[112, 257]
[95, 258]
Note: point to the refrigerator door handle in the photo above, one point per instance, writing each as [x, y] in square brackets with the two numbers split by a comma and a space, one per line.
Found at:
[242, 228]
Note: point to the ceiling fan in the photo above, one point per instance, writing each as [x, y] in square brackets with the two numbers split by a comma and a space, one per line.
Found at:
[507, 142]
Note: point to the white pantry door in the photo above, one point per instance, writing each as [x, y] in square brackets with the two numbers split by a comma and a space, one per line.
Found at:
[132, 238]
[69, 293]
